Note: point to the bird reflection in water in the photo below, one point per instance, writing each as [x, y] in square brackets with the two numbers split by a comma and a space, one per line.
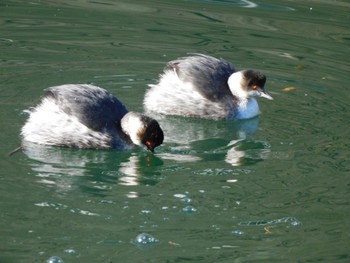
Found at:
[196, 140]
[245, 152]
[66, 169]
[139, 169]
[186, 140]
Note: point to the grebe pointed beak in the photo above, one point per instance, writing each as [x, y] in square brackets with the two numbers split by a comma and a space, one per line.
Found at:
[151, 149]
[265, 95]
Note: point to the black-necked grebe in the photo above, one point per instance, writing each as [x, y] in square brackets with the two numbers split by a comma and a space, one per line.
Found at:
[206, 87]
[86, 116]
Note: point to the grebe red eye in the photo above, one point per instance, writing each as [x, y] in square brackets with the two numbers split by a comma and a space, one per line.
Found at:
[254, 86]
[148, 143]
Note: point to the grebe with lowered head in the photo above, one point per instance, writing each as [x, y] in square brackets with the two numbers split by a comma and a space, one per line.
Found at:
[206, 87]
[86, 116]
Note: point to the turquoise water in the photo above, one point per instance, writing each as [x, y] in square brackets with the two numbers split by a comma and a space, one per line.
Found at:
[271, 189]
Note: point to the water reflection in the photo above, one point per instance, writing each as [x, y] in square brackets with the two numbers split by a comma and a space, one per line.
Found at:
[241, 3]
[193, 140]
[288, 220]
[247, 4]
[130, 169]
[54, 167]
[94, 171]
[187, 140]
[139, 169]
[244, 152]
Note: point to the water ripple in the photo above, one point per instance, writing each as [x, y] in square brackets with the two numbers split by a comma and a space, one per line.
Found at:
[59, 206]
[291, 220]
[247, 4]
[6, 42]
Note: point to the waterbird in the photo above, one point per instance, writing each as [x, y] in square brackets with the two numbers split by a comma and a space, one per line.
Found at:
[87, 116]
[202, 86]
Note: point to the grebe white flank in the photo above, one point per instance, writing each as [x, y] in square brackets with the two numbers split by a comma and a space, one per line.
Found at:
[86, 116]
[206, 87]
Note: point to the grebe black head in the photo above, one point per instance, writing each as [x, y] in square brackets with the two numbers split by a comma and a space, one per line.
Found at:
[248, 84]
[142, 130]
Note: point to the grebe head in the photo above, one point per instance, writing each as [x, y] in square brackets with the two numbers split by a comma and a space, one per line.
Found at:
[142, 130]
[248, 83]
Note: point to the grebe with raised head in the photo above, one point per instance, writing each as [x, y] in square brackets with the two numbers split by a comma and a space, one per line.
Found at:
[202, 86]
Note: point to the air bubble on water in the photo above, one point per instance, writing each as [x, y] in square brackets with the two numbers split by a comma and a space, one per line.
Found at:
[216, 227]
[291, 220]
[186, 200]
[54, 259]
[237, 232]
[69, 251]
[189, 210]
[107, 202]
[145, 212]
[145, 239]
[295, 222]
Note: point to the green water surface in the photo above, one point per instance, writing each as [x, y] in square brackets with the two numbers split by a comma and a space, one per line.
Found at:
[272, 189]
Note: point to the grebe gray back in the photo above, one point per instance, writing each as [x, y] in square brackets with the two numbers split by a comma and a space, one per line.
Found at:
[86, 116]
[206, 87]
